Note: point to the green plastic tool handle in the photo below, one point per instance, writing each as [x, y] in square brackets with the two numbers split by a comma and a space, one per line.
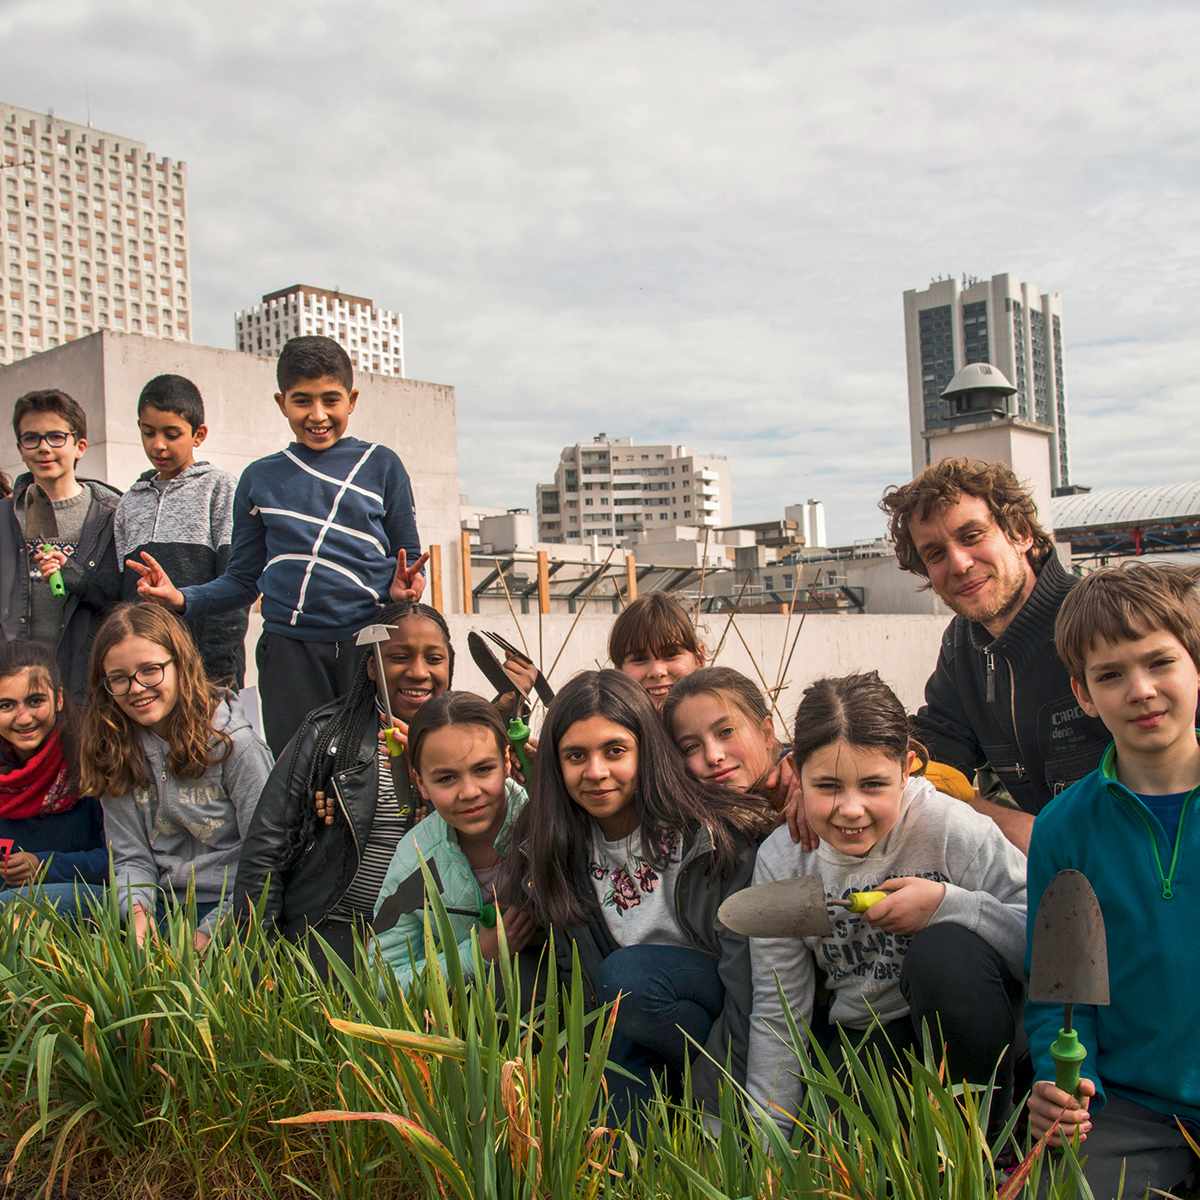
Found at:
[57, 586]
[395, 747]
[518, 735]
[1068, 1054]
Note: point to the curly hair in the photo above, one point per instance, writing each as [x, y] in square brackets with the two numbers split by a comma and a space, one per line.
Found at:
[946, 482]
[111, 758]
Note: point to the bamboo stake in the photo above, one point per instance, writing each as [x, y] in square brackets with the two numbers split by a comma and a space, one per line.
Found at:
[617, 589]
[762, 678]
[579, 613]
[703, 568]
[732, 614]
[786, 630]
[512, 612]
[799, 631]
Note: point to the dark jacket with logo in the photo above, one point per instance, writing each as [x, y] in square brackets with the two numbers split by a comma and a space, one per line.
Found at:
[91, 575]
[699, 891]
[302, 893]
[1007, 701]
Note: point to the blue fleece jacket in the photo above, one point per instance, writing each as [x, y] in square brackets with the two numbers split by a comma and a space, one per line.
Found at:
[1143, 1045]
[317, 534]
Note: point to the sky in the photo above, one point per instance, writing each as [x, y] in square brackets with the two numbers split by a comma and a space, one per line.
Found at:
[678, 222]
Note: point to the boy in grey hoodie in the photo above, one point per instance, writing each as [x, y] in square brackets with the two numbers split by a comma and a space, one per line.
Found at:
[181, 512]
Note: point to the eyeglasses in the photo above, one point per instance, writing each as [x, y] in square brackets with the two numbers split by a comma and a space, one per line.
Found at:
[56, 439]
[148, 675]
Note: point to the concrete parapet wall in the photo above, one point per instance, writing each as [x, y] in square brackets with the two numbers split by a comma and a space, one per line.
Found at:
[903, 648]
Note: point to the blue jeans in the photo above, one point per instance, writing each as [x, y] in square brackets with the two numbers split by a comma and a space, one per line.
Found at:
[72, 899]
[666, 992]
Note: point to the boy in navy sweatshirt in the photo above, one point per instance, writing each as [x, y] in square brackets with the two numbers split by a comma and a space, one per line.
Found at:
[1130, 638]
[181, 512]
[325, 530]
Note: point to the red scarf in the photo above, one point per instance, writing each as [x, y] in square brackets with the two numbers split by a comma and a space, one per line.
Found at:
[38, 787]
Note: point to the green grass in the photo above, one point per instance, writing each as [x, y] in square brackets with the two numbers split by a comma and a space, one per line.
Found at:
[158, 1072]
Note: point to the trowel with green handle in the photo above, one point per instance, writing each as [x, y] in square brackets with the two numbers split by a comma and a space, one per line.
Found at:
[789, 908]
[376, 636]
[1069, 964]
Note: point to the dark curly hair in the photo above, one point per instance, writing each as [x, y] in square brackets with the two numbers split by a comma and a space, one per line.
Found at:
[944, 483]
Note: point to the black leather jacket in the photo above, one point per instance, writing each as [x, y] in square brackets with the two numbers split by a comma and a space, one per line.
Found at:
[302, 894]
[1007, 701]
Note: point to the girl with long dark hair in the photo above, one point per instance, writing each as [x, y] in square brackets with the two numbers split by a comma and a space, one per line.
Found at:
[627, 857]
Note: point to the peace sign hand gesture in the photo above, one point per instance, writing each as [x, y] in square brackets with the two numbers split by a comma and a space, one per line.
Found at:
[408, 583]
[154, 583]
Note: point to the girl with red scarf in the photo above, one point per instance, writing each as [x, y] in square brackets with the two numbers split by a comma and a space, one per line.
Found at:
[50, 836]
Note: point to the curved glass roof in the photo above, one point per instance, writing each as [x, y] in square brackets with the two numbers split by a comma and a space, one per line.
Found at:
[1127, 506]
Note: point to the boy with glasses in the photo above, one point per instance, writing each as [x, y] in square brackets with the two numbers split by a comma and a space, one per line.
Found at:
[56, 523]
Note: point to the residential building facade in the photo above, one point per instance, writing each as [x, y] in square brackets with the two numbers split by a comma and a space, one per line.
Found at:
[372, 336]
[95, 236]
[612, 489]
[1010, 324]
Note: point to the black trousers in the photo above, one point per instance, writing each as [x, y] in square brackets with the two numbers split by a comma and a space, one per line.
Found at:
[959, 986]
[294, 677]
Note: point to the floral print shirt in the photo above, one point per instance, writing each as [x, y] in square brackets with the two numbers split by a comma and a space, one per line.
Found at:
[636, 897]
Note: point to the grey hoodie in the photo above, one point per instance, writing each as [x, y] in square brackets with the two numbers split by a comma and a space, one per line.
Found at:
[935, 837]
[176, 830]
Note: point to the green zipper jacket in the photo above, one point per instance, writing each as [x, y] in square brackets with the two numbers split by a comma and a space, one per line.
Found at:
[1143, 1045]
[403, 943]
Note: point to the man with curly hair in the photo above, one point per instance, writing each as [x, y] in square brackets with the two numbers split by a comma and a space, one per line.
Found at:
[999, 696]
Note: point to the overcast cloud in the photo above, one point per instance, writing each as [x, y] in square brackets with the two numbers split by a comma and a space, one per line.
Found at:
[673, 223]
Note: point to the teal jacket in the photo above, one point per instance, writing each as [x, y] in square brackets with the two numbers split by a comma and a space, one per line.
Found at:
[1143, 1045]
[403, 944]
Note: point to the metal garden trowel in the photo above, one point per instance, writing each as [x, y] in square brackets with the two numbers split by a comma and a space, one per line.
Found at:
[789, 908]
[1069, 964]
[375, 636]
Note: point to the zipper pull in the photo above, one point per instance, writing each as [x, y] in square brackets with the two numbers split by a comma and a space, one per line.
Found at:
[989, 663]
[1168, 890]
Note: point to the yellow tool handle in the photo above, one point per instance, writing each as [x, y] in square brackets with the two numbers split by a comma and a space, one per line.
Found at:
[859, 902]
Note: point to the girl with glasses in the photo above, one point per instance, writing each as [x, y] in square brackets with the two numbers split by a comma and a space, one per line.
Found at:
[177, 765]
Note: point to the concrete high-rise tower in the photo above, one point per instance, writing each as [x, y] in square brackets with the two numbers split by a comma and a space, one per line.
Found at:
[95, 236]
[1012, 325]
[372, 336]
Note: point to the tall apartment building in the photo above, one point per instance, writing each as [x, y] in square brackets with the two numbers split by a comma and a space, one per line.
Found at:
[372, 336]
[613, 489]
[95, 236]
[1009, 324]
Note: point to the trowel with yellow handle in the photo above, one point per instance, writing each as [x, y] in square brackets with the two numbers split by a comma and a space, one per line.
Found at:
[788, 908]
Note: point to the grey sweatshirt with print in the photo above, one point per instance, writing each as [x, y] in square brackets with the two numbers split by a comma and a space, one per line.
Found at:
[175, 830]
[936, 837]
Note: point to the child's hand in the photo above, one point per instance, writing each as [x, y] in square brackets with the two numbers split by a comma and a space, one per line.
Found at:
[201, 940]
[154, 583]
[49, 561]
[1048, 1105]
[793, 804]
[143, 926]
[514, 764]
[519, 927]
[399, 732]
[408, 583]
[911, 903]
[20, 868]
[521, 671]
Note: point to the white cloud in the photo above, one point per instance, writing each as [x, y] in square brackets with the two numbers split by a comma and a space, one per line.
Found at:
[679, 224]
